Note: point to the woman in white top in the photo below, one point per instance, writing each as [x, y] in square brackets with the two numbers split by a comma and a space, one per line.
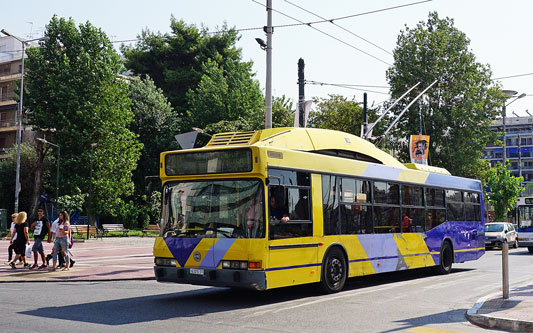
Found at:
[61, 240]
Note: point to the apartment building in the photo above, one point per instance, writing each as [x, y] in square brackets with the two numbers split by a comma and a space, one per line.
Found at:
[519, 142]
[10, 69]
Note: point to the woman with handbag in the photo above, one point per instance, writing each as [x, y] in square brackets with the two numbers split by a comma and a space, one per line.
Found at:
[20, 239]
[62, 240]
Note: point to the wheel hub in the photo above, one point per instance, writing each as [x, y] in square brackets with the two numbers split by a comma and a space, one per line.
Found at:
[336, 270]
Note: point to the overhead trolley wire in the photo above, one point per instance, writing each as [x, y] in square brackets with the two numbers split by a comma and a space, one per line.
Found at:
[341, 27]
[327, 34]
[347, 86]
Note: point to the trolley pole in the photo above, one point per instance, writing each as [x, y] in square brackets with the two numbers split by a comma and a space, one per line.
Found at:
[505, 269]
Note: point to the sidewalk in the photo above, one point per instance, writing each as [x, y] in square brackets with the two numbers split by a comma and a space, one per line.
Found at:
[514, 314]
[113, 258]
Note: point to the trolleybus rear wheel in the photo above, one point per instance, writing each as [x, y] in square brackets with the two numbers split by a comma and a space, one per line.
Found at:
[334, 271]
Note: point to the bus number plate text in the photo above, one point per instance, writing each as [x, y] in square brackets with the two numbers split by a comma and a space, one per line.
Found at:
[196, 271]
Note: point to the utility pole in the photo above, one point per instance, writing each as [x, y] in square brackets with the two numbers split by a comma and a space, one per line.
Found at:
[365, 111]
[419, 118]
[301, 92]
[268, 85]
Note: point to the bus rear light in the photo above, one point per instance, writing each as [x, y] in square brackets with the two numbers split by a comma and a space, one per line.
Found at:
[254, 265]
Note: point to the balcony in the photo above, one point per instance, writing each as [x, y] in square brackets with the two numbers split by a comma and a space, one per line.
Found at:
[9, 97]
[8, 125]
[6, 77]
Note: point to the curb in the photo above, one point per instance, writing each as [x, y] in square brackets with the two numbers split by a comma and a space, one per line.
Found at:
[496, 322]
[81, 280]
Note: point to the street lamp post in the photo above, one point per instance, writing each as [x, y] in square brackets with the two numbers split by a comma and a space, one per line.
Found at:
[508, 94]
[268, 48]
[18, 117]
[89, 206]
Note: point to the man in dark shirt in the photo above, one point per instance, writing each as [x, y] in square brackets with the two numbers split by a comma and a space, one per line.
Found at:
[277, 213]
[41, 228]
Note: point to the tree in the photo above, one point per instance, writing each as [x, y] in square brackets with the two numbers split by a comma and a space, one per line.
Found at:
[339, 113]
[77, 98]
[28, 162]
[154, 125]
[176, 60]
[504, 189]
[224, 95]
[282, 116]
[457, 111]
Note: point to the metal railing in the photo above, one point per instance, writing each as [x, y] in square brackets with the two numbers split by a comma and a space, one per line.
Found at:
[8, 123]
[8, 97]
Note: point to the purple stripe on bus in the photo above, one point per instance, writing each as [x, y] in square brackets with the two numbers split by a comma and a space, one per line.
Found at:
[181, 248]
[453, 182]
[217, 252]
[381, 246]
[291, 267]
[382, 172]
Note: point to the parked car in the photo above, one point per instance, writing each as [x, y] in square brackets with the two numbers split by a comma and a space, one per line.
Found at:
[498, 232]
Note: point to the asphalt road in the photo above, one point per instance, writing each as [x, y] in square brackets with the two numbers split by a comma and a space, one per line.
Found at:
[410, 301]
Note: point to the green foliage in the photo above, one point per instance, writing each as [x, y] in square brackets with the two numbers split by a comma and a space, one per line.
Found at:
[504, 189]
[73, 87]
[339, 113]
[155, 206]
[224, 94]
[175, 60]
[154, 125]
[132, 215]
[73, 202]
[28, 158]
[457, 111]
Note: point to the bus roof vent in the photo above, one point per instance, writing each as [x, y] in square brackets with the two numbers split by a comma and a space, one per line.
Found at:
[233, 138]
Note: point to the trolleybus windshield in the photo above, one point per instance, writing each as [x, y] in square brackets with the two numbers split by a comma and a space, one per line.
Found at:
[214, 209]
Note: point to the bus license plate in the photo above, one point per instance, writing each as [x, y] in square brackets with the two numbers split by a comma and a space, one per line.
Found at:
[197, 271]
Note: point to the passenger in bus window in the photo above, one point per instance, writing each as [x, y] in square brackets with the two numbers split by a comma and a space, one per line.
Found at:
[276, 212]
[406, 223]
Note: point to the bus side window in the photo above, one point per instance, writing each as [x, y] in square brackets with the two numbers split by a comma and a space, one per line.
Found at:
[294, 191]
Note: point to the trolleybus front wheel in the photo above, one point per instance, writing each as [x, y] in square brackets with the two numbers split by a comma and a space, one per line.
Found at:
[334, 271]
[445, 259]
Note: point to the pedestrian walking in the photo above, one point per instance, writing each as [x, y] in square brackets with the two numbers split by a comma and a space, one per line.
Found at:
[9, 235]
[41, 229]
[62, 241]
[20, 239]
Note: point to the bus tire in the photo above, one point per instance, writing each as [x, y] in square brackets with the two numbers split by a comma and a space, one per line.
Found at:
[334, 271]
[445, 259]
[530, 249]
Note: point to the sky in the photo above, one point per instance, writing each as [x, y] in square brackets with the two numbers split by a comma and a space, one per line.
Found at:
[498, 31]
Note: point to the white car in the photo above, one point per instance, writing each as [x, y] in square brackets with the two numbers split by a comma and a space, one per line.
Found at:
[498, 232]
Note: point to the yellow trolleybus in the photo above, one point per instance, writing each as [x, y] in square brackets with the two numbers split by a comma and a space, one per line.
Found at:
[288, 206]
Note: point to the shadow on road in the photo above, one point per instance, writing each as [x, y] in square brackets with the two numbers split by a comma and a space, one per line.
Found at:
[452, 316]
[199, 302]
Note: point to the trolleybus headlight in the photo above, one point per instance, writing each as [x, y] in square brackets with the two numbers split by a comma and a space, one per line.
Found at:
[234, 264]
[165, 262]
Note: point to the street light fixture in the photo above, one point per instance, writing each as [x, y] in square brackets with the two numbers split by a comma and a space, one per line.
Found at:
[508, 94]
[19, 111]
